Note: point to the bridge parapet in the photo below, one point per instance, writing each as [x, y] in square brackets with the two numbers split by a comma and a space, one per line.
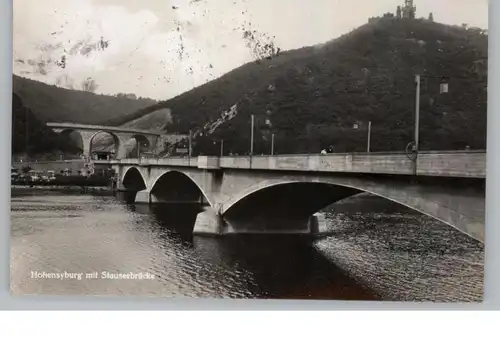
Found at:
[202, 162]
[443, 164]
[208, 162]
[171, 161]
[466, 164]
[355, 163]
[446, 164]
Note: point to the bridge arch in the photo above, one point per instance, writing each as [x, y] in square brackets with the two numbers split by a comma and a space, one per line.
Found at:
[116, 141]
[74, 135]
[141, 142]
[457, 208]
[133, 180]
[178, 187]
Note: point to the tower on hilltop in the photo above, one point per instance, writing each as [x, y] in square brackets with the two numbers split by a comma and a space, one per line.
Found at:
[409, 10]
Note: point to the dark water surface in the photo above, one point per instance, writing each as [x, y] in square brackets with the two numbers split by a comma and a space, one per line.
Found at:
[377, 251]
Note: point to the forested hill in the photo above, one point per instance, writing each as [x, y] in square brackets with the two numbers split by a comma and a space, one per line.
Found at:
[55, 104]
[325, 95]
[29, 134]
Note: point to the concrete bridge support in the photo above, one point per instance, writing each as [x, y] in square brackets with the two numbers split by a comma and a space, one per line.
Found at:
[143, 196]
[210, 222]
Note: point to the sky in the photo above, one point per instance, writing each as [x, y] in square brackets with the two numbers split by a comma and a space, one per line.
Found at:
[161, 48]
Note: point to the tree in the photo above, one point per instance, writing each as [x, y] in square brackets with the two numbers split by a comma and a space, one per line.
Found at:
[89, 85]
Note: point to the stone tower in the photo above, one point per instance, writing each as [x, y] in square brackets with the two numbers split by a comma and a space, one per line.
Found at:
[409, 10]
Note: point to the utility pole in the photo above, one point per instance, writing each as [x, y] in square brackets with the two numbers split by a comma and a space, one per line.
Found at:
[156, 145]
[272, 144]
[369, 136]
[190, 144]
[417, 113]
[27, 131]
[251, 135]
[221, 148]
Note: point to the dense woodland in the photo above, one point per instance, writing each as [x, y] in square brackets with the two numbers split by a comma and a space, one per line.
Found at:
[313, 97]
[30, 135]
[325, 95]
[56, 104]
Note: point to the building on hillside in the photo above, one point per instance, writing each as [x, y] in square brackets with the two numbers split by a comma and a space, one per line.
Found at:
[409, 11]
[102, 155]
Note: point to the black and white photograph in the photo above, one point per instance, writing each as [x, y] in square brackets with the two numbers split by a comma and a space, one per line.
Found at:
[249, 149]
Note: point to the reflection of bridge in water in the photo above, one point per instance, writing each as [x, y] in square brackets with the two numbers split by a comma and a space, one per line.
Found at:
[283, 194]
[148, 141]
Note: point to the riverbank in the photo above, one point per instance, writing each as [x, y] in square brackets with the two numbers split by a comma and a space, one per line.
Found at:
[61, 188]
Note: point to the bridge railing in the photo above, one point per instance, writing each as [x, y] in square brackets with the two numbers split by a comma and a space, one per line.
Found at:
[172, 161]
[387, 163]
[373, 153]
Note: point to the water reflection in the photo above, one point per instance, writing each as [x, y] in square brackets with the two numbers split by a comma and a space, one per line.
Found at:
[171, 220]
[97, 233]
[274, 266]
[377, 250]
[402, 254]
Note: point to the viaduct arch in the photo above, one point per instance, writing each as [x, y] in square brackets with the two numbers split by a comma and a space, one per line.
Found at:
[80, 143]
[116, 141]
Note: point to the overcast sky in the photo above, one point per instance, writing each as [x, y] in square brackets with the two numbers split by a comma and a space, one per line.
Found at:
[161, 48]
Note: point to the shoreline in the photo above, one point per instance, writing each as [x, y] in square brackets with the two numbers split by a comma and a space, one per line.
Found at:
[68, 188]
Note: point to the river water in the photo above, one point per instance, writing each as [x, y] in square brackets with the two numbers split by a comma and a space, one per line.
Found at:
[72, 244]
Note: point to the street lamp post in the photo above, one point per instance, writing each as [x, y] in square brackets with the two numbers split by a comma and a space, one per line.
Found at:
[27, 132]
[221, 148]
[251, 134]
[417, 114]
[368, 145]
[190, 144]
[272, 144]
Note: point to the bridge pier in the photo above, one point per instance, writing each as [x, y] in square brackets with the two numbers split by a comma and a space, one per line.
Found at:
[317, 224]
[309, 225]
[155, 198]
[143, 196]
[209, 222]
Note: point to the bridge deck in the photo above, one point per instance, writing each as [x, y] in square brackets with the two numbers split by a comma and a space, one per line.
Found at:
[469, 164]
[77, 126]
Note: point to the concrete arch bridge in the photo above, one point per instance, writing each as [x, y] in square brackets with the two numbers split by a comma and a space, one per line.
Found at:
[282, 194]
